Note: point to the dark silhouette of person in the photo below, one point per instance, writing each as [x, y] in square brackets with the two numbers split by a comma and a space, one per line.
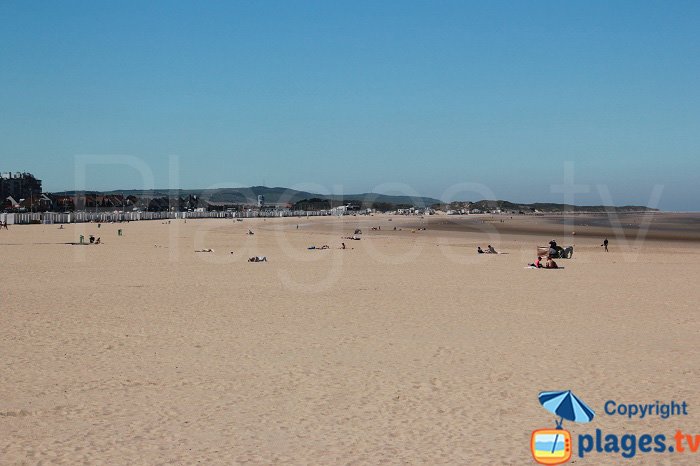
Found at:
[605, 244]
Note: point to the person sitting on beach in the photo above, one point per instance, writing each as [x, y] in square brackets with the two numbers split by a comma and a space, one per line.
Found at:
[250, 232]
[92, 239]
[258, 259]
[537, 264]
[479, 250]
[491, 250]
[97, 241]
[550, 264]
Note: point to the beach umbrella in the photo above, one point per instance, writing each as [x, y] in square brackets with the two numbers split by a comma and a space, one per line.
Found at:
[567, 406]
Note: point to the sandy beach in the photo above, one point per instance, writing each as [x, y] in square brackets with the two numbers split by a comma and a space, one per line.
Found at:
[405, 348]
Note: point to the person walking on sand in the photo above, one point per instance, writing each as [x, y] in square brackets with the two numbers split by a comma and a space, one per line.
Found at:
[605, 244]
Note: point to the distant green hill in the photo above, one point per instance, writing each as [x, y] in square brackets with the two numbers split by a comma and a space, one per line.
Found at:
[545, 207]
[276, 195]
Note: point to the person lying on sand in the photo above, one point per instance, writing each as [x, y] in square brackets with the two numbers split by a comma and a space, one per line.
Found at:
[250, 232]
[204, 250]
[325, 246]
[258, 259]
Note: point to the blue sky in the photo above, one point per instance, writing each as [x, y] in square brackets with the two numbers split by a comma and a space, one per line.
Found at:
[358, 96]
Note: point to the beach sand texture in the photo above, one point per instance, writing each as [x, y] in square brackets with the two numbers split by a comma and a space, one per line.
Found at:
[407, 349]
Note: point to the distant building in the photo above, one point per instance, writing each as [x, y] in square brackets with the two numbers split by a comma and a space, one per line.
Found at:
[20, 186]
[340, 210]
[261, 200]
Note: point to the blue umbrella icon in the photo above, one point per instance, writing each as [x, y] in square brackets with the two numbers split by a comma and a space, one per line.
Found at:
[567, 406]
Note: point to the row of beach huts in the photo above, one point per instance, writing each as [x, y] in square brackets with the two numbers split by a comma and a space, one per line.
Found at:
[27, 218]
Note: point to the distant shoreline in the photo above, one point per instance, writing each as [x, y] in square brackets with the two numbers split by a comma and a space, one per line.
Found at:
[662, 226]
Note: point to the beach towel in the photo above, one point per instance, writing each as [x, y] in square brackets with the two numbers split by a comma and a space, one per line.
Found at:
[542, 268]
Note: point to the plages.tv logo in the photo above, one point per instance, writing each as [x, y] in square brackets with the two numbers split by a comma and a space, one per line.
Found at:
[553, 446]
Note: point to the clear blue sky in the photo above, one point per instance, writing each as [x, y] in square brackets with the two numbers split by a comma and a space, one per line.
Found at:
[358, 94]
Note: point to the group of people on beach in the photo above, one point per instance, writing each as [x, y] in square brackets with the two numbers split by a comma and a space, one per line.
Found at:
[489, 250]
[553, 252]
[264, 258]
[548, 263]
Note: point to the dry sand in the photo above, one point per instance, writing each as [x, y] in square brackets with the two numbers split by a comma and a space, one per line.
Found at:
[407, 349]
